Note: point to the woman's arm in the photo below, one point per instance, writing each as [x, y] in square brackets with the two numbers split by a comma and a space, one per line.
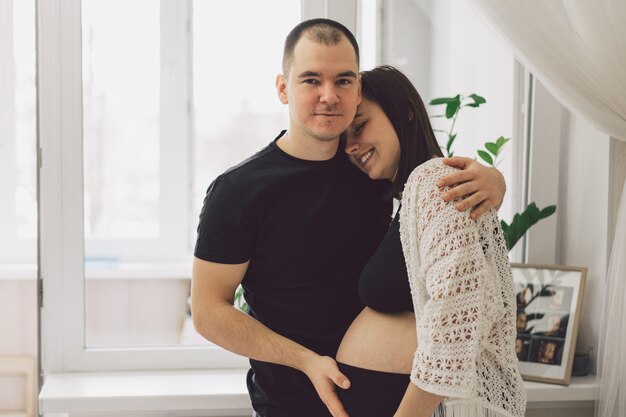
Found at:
[452, 295]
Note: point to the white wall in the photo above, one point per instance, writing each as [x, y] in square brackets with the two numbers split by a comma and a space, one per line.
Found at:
[18, 334]
[467, 57]
[407, 40]
[570, 168]
[584, 210]
[120, 312]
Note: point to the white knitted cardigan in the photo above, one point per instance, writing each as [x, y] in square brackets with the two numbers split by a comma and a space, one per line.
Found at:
[462, 290]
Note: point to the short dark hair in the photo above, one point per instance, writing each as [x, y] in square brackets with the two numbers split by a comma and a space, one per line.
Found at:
[404, 108]
[324, 31]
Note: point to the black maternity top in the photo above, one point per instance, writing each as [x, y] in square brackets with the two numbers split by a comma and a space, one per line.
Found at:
[384, 283]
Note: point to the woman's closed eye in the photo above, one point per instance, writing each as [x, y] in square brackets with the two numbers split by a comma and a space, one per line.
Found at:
[358, 128]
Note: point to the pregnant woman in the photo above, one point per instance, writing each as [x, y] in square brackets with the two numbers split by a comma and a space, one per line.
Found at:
[438, 333]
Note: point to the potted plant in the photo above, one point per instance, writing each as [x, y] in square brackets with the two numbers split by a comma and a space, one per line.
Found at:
[521, 221]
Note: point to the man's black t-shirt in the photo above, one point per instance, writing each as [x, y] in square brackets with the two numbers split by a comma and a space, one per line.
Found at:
[307, 228]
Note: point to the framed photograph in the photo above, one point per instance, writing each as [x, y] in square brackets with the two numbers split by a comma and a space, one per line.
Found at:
[549, 300]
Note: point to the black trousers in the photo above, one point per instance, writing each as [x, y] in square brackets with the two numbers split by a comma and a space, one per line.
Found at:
[372, 393]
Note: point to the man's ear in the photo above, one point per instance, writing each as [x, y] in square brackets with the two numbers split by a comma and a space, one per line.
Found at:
[281, 88]
[360, 81]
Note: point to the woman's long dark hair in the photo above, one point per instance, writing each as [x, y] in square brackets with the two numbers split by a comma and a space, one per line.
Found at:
[405, 109]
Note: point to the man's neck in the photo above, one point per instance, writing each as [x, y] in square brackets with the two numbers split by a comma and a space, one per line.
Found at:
[305, 147]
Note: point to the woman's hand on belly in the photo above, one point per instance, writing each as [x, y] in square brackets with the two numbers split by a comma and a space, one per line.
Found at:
[380, 341]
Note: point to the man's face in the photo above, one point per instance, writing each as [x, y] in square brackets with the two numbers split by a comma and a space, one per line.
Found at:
[322, 88]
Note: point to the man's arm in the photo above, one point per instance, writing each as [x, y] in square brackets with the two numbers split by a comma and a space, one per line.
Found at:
[215, 318]
[482, 187]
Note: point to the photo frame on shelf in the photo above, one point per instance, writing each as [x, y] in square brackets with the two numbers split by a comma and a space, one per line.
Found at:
[549, 302]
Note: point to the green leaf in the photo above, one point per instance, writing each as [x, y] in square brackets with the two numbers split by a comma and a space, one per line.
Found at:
[240, 301]
[441, 100]
[533, 213]
[485, 156]
[450, 142]
[478, 100]
[547, 211]
[493, 148]
[524, 221]
[501, 141]
[453, 106]
[513, 233]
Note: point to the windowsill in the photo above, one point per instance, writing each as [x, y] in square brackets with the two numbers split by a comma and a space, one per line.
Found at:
[18, 272]
[165, 393]
[106, 270]
[206, 393]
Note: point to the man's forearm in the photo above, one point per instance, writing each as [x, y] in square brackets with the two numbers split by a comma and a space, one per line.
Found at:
[235, 331]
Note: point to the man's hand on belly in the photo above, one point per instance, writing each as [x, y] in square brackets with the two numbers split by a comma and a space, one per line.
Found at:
[325, 375]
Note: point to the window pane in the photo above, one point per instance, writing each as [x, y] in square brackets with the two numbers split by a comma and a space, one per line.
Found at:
[121, 85]
[368, 33]
[235, 112]
[25, 121]
[236, 108]
[236, 59]
[18, 187]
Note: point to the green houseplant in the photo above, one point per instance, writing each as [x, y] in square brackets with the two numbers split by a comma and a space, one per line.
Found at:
[521, 221]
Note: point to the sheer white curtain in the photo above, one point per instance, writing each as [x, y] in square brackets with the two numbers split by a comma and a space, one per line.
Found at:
[612, 354]
[577, 48]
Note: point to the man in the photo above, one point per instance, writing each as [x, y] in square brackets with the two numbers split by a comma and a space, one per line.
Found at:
[294, 224]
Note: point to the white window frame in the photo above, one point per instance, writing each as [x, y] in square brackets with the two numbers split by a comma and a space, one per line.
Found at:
[60, 194]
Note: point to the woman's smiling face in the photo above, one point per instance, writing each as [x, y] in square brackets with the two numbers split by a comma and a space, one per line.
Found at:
[372, 143]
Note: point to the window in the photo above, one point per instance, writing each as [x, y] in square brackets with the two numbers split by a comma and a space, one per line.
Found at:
[18, 189]
[158, 98]
[154, 100]
[236, 109]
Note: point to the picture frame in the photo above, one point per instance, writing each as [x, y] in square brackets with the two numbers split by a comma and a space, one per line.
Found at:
[548, 302]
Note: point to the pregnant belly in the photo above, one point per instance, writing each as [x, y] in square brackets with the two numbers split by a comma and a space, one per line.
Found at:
[380, 342]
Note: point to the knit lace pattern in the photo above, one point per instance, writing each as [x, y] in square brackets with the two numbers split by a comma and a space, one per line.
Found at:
[464, 301]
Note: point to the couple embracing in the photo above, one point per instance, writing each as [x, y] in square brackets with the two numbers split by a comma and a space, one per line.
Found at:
[353, 312]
